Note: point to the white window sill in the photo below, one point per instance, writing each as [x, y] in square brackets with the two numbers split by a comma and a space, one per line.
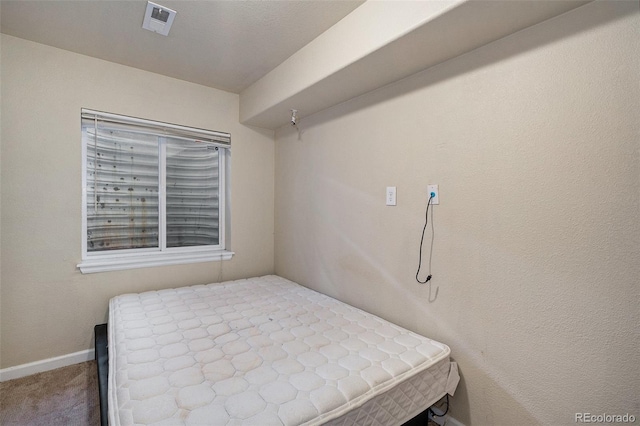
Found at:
[107, 263]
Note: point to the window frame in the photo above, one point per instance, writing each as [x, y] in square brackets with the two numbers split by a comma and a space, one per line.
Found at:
[113, 260]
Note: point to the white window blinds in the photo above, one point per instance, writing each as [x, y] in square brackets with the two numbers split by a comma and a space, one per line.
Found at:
[151, 186]
[122, 189]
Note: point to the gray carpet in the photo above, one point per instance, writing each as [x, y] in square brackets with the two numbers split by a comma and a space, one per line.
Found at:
[65, 396]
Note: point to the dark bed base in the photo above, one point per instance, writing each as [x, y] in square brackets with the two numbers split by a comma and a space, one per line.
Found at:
[421, 419]
[102, 360]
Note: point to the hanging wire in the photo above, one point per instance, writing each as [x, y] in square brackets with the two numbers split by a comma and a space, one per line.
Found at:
[426, 221]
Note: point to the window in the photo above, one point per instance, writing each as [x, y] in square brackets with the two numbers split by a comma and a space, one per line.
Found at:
[153, 193]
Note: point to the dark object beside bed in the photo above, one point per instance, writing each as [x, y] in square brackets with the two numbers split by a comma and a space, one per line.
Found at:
[102, 361]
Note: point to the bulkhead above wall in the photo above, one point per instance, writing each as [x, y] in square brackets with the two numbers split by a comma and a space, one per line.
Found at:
[379, 43]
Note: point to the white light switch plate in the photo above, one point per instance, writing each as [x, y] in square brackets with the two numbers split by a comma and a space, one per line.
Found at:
[391, 195]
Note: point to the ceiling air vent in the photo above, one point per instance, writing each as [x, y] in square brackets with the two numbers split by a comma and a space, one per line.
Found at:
[158, 18]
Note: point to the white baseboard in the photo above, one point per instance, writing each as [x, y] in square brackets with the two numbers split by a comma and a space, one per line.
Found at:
[45, 365]
[451, 421]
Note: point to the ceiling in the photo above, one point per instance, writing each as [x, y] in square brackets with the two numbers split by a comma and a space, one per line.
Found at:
[226, 44]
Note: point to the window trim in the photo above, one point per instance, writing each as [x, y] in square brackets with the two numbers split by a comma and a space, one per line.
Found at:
[149, 257]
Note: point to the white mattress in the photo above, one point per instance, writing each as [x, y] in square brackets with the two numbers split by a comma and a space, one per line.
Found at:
[264, 351]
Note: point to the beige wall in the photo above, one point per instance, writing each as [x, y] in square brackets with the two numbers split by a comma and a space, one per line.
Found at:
[0, 199]
[48, 307]
[534, 141]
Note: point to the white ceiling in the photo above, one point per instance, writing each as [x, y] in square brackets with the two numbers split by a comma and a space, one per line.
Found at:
[223, 44]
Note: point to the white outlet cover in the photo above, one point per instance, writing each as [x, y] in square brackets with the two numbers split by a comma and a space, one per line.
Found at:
[433, 188]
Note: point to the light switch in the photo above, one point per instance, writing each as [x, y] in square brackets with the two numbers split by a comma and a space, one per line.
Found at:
[391, 195]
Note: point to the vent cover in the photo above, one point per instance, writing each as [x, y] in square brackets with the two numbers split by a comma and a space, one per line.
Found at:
[158, 18]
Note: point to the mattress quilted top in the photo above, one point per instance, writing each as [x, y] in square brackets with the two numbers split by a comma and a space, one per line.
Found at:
[262, 351]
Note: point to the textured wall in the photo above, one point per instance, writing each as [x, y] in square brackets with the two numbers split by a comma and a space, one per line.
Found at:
[48, 307]
[534, 141]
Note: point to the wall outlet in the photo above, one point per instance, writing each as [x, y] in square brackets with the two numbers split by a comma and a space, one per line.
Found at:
[433, 190]
[391, 195]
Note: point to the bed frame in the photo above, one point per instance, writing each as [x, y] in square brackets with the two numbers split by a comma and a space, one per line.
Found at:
[102, 361]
